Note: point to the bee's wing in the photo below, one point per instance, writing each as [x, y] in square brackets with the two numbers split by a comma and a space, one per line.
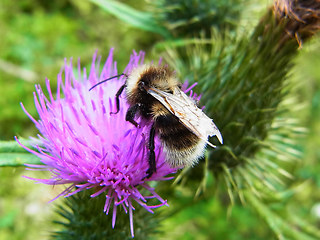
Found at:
[183, 107]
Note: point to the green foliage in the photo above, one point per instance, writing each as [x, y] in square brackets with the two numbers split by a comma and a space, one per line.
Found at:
[24, 208]
[191, 17]
[142, 20]
[12, 155]
[17, 159]
[207, 219]
[12, 118]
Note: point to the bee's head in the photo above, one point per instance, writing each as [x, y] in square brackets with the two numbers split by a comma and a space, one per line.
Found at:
[159, 77]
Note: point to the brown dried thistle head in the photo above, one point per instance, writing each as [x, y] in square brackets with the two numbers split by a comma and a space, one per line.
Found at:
[300, 17]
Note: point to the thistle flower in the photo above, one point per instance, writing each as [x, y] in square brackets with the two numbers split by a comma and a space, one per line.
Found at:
[83, 145]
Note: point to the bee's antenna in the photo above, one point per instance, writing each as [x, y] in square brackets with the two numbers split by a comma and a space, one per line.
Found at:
[105, 80]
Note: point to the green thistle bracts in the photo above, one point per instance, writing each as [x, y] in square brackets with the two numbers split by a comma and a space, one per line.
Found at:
[243, 81]
[192, 17]
[82, 218]
[246, 91]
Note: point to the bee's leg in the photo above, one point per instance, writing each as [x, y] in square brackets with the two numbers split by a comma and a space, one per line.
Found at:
[152, 157]
[131, 113]
[117, 98]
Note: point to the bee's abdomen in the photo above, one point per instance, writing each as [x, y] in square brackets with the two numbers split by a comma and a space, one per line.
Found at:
[179, 138]
[174, 133]
[182, 147]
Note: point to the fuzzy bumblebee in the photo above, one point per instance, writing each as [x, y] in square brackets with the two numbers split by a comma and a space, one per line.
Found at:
[154, 93]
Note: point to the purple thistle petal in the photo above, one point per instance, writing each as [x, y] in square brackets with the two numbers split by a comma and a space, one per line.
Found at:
[28, 114]
[191, 87]
[114, 216]
[99, 192]
[131, 219]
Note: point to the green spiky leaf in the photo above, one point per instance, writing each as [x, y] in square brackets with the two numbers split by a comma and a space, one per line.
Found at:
[17, 159]
[13, 155]
[139, 19]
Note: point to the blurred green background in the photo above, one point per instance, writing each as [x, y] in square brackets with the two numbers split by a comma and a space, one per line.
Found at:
[37, 35]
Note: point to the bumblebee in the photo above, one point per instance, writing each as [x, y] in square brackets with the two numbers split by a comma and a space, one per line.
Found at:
[154, 93]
